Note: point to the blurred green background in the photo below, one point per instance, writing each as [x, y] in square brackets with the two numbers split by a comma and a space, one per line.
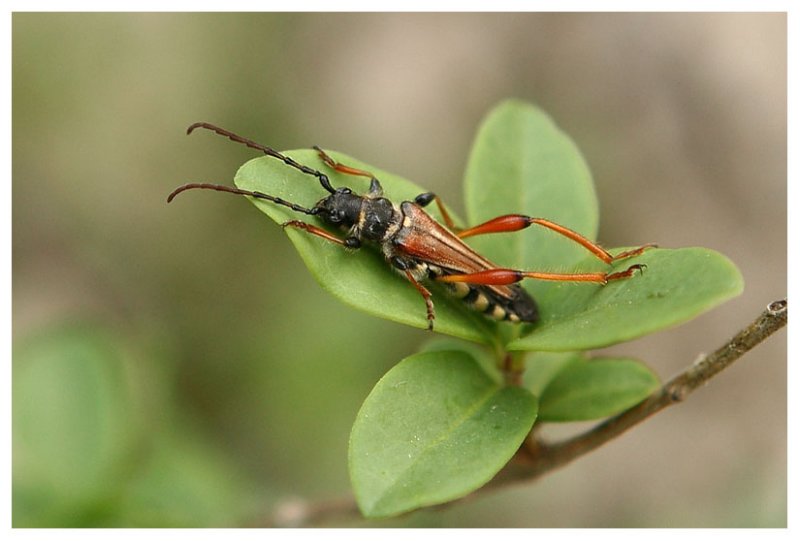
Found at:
[178, 366]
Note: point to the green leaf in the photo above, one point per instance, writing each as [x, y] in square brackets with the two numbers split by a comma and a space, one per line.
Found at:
[521, 162]
[361, 279]
[676, 286]
[542, 367]
[434, 428]
[482, 354]
[595, 389]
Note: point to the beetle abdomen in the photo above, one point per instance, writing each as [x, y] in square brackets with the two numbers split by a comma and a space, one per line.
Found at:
[518, 307]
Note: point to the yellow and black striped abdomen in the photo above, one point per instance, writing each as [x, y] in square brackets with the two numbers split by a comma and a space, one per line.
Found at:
[517, 307]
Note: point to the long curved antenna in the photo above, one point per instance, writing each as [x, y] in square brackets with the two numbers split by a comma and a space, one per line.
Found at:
[229, 189]
[323, 179]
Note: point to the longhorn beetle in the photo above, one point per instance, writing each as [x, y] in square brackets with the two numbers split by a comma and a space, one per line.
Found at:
[417, 246]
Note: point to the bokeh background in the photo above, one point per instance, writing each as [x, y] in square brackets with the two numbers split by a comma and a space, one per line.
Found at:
[178, 366]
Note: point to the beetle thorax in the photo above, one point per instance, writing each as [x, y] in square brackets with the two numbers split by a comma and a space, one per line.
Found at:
[379, 219]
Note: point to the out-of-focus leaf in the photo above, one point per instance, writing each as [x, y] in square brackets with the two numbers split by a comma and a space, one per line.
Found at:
[75, 423]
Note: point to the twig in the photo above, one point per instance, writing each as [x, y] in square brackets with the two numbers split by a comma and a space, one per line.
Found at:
[537, 458]
[542, 457]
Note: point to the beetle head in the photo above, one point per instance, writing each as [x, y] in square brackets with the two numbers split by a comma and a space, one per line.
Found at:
[341, 208]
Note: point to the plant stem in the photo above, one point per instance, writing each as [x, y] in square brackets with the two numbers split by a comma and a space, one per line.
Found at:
[536, 458]
[512, 367]
[543, 457]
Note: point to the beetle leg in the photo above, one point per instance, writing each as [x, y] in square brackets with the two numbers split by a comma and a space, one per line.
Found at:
[349, 242]
[346, 169]
[424, 199]
[515, 222]
[425, 295]
[375, 188]
[503, 277]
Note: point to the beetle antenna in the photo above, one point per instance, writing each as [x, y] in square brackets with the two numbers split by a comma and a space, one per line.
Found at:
[229, 189]
[323, 178]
